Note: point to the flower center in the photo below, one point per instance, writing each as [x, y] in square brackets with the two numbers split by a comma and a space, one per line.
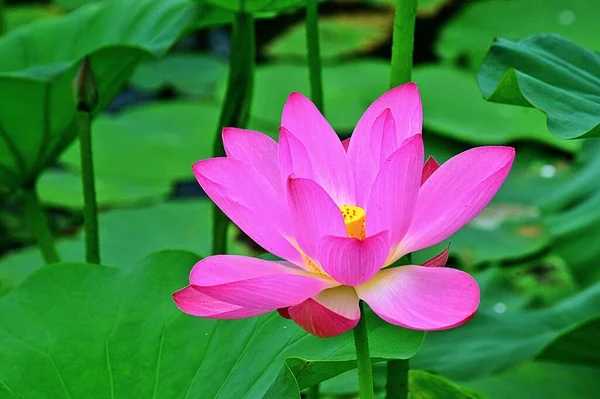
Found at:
[354, 218]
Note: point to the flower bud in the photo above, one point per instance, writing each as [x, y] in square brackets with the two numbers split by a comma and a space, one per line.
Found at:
[85, 91]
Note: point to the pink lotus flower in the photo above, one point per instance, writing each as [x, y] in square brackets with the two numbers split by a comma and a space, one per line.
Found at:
[340, 213]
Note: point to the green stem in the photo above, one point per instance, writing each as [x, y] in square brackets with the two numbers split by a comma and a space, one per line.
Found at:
[400, 73]
[2, 17]
[313, 392]
[38, 224]
[235, 111]
[363, 357]
[397, 379]
[90, 207]
[403, 42]
[397, 371]
[314, 56]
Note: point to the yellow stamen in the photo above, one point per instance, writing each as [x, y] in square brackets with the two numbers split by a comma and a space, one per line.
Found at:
[354, 218]
[311, 265]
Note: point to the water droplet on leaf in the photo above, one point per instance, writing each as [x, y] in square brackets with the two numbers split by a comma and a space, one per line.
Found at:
[566, 17]
[500, 308]
[548, 171]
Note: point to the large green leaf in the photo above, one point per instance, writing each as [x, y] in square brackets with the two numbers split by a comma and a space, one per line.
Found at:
[501, 232]
[422, 385]
[569, 197]
[581, 182]
[18, 15]
[555, 178]
[576, 234]
[498, 286]
[512, 227]
[340, 35]
[580, 346]
[80, 330]
[495, 340]
[470, 33]
[73, 4]
[346, 383]
[259, 5]
[543, 380]
[154, 142]
[64, 189]
[39, 61]
[138, 155]
[550, 73]
[125, 236]
[543, 281]
[195, 74]
[453, 107]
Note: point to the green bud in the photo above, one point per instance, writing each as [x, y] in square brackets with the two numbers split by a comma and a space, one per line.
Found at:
[85, 91]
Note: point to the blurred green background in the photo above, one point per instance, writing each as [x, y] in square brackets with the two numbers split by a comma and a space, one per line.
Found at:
[535, 249]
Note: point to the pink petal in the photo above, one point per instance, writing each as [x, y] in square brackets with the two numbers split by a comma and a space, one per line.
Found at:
[455, 193]
[293, 158]
[324, 148]
[422, 298]
[332, 312]
[439, 260]
[255, 149]
[255, 283]
[352, 261]
[367, 162]
[314, 215]
[404, 104]
[251, 202]
[394, 193]
[388, 143]
[283, 312]
[192, 301]
[431, 165]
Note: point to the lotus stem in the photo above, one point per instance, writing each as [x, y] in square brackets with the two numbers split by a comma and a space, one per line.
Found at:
[316, 88]
[403, 42]
[363, 357]
[235, 111]
[314, 55]
[2, 17]
[90, 206]
[397, 379]
[400, 73]
[85, 92]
